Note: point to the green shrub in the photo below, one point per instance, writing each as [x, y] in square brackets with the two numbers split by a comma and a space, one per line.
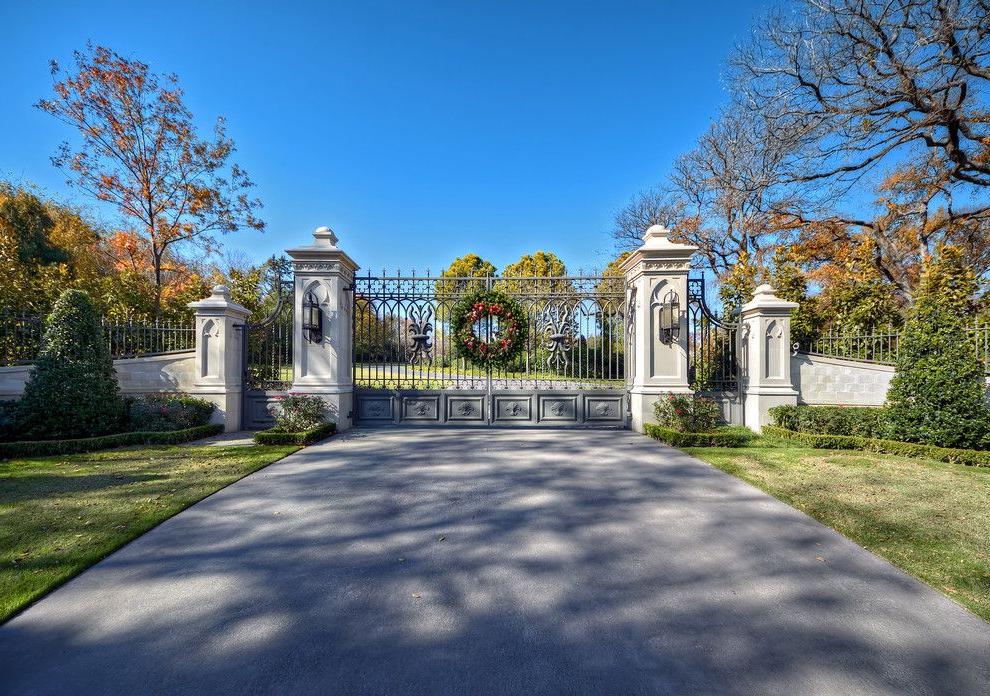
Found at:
[72, 391]
[687, 413]
[830, 420]
[8, 422]
[952, 455]
[168, 411]
[47, 448]
[295, 413]
[274, 436]
[938, 393]
[735, 436]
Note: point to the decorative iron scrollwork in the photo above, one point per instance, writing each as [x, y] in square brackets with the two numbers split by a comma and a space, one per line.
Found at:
[557, 325]
[420, 328]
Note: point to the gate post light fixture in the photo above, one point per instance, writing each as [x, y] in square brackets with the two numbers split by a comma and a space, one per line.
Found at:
[670, 318]
[312, 318]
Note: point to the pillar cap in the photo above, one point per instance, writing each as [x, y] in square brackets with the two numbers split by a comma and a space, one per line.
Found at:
[657, 247]
[323, 248]
[219, 302]
[324, 236]
[764, 300]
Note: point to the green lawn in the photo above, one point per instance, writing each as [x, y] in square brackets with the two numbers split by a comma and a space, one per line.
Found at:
[59, 515]
[929, 518]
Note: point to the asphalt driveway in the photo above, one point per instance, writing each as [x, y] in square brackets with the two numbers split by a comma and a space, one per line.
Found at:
[461, 561]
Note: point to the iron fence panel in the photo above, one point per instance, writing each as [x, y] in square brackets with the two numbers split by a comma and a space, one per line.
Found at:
[402, 337]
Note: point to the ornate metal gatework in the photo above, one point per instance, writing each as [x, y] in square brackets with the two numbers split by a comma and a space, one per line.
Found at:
[268, 350]
[713, 365]
[572, 370]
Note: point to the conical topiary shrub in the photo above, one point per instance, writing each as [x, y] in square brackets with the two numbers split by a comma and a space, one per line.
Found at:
[938, 393]
[72, 391]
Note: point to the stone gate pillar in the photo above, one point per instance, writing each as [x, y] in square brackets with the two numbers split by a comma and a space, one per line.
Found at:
[219, 371]
[656, 288]
[765, 356]
[322, 364]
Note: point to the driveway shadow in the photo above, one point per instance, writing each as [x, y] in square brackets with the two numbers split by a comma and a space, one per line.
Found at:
[445, 561]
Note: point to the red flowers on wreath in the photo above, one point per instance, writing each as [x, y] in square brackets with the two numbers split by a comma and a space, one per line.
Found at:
[502, 340]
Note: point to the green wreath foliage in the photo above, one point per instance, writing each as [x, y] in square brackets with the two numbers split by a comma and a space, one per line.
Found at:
[506, 346]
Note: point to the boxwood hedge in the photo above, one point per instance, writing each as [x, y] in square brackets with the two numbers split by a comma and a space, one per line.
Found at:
[907, 449]
[861, 421]
[720, 437]
[274, 436]
[47, 448]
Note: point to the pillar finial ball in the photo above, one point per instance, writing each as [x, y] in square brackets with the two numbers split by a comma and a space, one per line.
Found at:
[221, 291]
[324, 236]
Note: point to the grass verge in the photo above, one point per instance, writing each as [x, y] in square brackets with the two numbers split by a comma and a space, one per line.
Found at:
[929, 518]
[59, 515]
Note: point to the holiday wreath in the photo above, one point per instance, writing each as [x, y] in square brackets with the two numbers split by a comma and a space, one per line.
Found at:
[498, 319]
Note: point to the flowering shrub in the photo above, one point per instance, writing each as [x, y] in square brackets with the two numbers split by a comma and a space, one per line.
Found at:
[168, 411]
[687, 413]
[295, 413]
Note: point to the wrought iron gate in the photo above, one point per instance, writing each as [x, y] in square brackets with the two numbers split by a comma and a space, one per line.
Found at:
[713, 362]
[267, 349]
[572, 371]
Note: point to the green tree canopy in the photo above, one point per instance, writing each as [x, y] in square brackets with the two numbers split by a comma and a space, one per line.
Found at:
[454, 281]
[530, 267]
[737, 285]
[790, 283]
[28, 221]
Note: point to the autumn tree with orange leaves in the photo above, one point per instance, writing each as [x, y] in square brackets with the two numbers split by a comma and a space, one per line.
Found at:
[856, 142]
[139, 152]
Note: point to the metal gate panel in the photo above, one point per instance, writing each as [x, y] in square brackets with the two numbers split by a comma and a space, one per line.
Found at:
[713, 361]
[511, 408]
[267, 357]
[571, 373]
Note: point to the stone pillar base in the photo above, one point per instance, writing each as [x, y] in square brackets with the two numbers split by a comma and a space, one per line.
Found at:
[228, 402]
[641, 400]
[758, 402]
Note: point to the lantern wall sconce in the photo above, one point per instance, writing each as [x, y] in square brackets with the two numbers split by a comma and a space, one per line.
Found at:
[312, 316]
[670, 318]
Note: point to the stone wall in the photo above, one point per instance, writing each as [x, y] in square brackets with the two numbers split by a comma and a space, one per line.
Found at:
[833, 381]
[172, 372]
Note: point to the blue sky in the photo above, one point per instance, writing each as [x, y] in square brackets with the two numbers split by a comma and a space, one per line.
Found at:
[418, 131]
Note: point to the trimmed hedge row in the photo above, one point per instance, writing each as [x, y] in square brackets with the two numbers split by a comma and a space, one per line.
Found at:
[306, 437]
[861, 421]
[723, 437]
[907, 449]
[47, 448]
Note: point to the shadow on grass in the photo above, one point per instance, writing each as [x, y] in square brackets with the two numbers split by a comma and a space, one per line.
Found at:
[35, 486]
